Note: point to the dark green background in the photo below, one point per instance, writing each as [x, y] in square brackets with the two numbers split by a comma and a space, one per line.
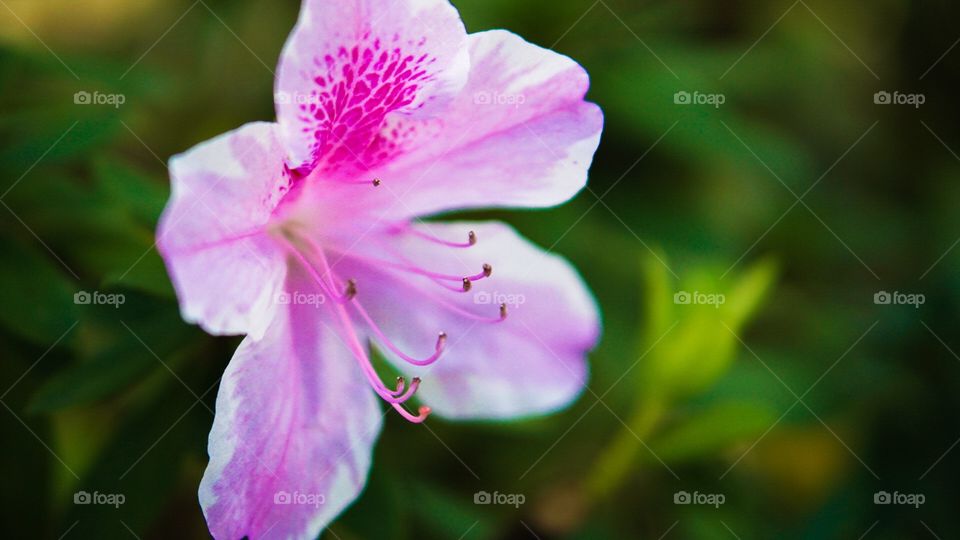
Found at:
[681, 398]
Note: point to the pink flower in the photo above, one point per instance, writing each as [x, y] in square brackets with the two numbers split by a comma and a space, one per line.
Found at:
[305, 236]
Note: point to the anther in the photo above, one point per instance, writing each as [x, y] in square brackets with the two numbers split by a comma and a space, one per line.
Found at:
[467, 284]
[472, 238]
[487, 270]
[376, 182]
[351, 289]
[503, 311]
[424, 412]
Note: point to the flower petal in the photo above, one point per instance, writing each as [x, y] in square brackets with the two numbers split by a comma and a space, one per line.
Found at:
[533, 362]
[226, 271]
[350, 63]
[518, 135]
[295, 424]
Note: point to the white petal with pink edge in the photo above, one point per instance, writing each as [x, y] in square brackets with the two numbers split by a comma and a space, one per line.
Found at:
[226, 271]
[294, 430]
[530, 363]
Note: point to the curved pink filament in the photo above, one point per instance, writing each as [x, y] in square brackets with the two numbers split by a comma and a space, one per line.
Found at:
[356, 348]
[375, 182]
[353, 343]
[464, 313]
[406, 227]
[424, 413]
[438, 349]
[485, 273]
[338, 298]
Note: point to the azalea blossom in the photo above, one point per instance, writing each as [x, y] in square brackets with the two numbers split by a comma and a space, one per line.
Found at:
[307, 236]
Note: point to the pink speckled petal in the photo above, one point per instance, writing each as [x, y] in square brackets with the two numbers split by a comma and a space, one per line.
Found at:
[532, 362]
[295, 425]
[226, 271]
[519, 135]
[349, 64]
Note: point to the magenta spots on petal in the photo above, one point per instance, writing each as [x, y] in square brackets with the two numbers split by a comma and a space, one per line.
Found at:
[354, 91]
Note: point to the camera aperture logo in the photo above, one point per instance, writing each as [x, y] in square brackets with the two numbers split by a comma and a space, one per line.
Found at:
[495, 98]
[297, 298]
[915, 500]
[281, 97]
[512, 499]
[697, 298]
[299, 498]
[98, 98]
[97, 298]
[708, 499]
[698, 98]
[107, 499]
[897, 298]
[498, 298]
[897, 98]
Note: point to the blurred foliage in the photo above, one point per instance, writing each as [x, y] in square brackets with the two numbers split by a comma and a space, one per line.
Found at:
[797, 399]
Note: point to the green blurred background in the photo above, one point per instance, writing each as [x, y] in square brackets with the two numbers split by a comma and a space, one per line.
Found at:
[796, 403]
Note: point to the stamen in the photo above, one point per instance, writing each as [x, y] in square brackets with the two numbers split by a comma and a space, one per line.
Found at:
[485, 273]
[401, 393]
[366, 366]
[351, 289]
[466, 284]
[401, 384]
[404, 396]
[406, 227]
[327, 289]
[424, 413]
[386, 342]
[376, 182]
[464, 313]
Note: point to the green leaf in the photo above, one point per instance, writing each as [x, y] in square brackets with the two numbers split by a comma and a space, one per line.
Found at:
[105, 232]
[713, 430]
[117, 346]
[38, 299]
[449, 516]
[57, 134]
[142, 462]
[25, 463]
[139, 193]
[381, 497]
[694, 330]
